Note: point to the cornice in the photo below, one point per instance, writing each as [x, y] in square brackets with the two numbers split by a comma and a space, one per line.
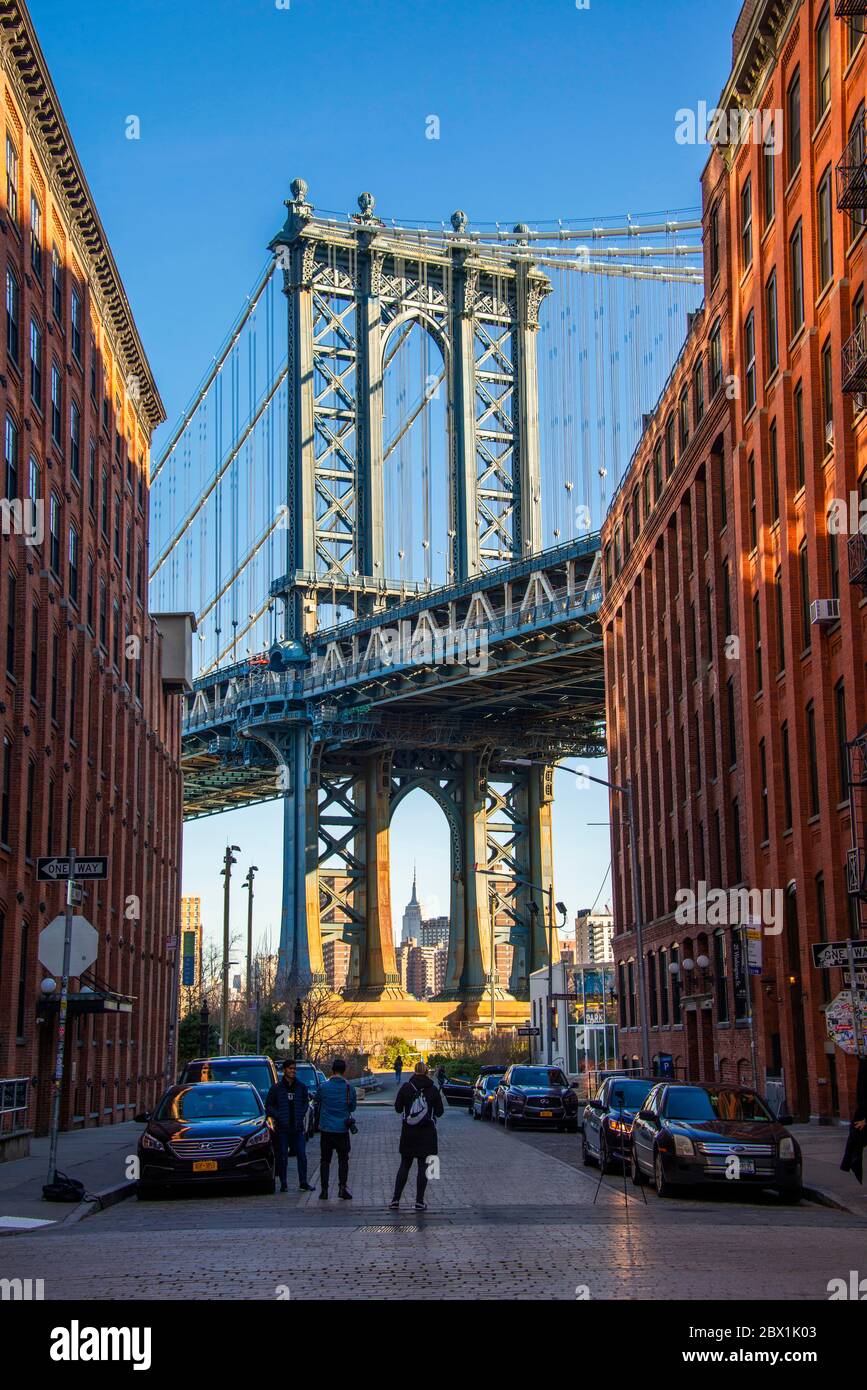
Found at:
[27, 70]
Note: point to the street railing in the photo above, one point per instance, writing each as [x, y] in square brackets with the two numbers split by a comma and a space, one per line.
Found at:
[14, 1105]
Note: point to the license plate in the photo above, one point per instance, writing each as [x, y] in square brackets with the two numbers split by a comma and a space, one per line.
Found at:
[205, 1165]
[747, 1166]
[546, 1114]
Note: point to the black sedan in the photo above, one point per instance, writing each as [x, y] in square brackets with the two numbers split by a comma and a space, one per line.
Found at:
[686, 1135]
[482, 1104]
[536, 1095]
[206, 1133]
[608, 1120]
[458, 1090]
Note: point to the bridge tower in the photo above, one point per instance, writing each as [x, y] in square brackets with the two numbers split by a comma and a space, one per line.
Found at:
[352, 289]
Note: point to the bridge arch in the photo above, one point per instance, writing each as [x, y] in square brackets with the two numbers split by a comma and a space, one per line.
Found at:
[455, 906]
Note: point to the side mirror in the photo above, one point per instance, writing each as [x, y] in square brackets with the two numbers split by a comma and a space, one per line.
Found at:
[785, 1119]
[647, 1115]
[141, 1118]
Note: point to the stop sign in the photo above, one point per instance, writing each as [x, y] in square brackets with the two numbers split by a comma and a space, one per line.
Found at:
[85, 945]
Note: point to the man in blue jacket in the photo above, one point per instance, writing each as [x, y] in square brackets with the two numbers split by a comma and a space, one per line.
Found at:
[286, 1104]
[337, 1102]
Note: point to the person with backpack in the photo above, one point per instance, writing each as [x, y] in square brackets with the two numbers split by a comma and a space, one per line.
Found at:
[420, 1104]
[337, 1102]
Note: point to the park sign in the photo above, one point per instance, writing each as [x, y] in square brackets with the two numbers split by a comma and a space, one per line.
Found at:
[53, 868]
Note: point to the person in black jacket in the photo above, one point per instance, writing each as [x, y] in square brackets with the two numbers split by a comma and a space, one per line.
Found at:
[286, 1103]
[853, 1158]
[420, 1103]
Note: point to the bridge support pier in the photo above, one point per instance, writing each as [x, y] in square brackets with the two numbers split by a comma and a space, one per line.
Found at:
[379, 977]
[300, 962]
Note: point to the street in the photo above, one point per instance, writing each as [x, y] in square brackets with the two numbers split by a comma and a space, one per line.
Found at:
[512, 1215]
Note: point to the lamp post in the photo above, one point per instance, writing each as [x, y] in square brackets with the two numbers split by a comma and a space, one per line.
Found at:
[226, 871]
[298, 1027]
[627, 793]
[248, 884]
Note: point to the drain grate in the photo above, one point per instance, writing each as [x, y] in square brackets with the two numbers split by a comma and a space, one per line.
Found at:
[395, 1229]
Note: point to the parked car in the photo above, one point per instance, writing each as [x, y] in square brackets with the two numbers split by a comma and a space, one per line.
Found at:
[260, 1071]
[684, 1135]
[312, 1078]
[482, 1103]
[537, 1095]
[203, 1133]
[458, 1090]
[608, 1120]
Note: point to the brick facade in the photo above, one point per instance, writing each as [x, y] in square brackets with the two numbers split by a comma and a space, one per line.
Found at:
[714, 548]
[89, 738]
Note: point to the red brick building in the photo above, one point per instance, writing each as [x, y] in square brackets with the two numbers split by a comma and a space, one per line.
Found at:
[89, 731]
[733, 688]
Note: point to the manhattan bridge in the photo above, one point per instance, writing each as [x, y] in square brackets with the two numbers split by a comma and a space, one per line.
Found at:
[382, 506]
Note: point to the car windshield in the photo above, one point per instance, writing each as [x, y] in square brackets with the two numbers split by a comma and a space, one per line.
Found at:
[537, 1076]
[307, 1074]
[257, 1073]
[211, 1103]
[490, 1083]
[694, 1103]
[630, 1095]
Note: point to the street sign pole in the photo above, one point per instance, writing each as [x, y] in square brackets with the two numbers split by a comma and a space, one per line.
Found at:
[61, 1022]
[856, 999]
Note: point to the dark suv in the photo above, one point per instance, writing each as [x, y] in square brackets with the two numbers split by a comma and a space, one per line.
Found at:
[537, 1095]
[259, 1071]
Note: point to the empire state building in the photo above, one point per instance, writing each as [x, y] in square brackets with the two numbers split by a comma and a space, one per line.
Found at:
[411, 929]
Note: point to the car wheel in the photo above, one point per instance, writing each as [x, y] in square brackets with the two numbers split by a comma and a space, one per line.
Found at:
[634, 1170]
[790, 1196]
[663, 1187]
[572, 1126]
[586, 1156]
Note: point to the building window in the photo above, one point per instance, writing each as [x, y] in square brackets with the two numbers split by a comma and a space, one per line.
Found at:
[823, 64]
[669, 446]
[720, 977]
[57, 284]
[751, 478]
[73, 565]
[34, 653]
[657, 472]
[750, 359]
[36, 235]
[54, 532]
[115, 636]
[103, 615]
[11, 179]
[75, 322]
[652, 989]
[716, 362]
[698, 391]
[774, 467]
[10, 625]
[828, 396]
[733, 732]
[781, 632]
[13, 302]
[833, 562]
[6, 794]
[55, 675]
[93, 367]
[663, 987]
[856, 30]
[36, 364]
[727, 599]
[787, 778]
[91, 477]
[719, 460]
[90, 582]
[116, 545]
[825, 236]
[56, 405]
[736, 838]
[11, 457]
[812, 760]
[793, 124]
[858, 146]
[763, 789]
[75, 440]
[771, 323]
[747, 224]
[676, 1015]
[796, 271]
[842, 745]
[804, 575]
[800, 442]
[714, 244]
[757, 631]
[104, 509]
[30, 807]
[684, 418]
[769, 177]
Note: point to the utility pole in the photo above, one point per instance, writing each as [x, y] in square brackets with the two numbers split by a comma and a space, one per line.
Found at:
[61, 1023]
[226, 871]
[248, 884]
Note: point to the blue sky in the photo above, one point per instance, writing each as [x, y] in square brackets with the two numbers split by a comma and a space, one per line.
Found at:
[545, 110]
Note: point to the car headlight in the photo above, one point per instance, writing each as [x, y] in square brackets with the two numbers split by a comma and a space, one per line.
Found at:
[787, 1147]
[683, 1147]
[618, 1126]
[516, 1098]
[148, 1142]
[262, 1136]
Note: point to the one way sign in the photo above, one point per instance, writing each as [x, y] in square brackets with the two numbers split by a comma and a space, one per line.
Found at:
[830, 953]
[53, 868]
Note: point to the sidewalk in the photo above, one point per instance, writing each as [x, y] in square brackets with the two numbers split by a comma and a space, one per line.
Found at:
[97, 1157]
[822, 1147]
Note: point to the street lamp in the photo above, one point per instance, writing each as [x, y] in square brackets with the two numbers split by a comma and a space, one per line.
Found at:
[248, 884]
[298, 1024]
[226, 871]
[627, 794]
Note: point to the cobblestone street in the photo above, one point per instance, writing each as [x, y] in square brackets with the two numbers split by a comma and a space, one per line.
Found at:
[511, 1216]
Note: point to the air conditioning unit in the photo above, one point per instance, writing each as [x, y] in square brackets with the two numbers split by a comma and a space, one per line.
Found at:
[825, 610]
[829, 433]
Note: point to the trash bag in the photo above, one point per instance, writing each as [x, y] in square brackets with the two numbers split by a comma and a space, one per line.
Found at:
[64, 1189]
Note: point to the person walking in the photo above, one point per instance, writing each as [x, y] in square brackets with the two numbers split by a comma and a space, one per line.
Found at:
[420, 1104]
[286, 1104]
[441, 1076]
[853, 1158]
[338, 1099]
[398, 1069]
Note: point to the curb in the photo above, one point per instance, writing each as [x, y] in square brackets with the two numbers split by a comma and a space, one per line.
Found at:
[108, 1197]
[824, 1198]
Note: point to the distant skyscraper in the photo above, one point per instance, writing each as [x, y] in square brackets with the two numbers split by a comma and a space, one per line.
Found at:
[411, 929]
[191, 943]
[435, 932]
[337, 956]
[593, 933]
